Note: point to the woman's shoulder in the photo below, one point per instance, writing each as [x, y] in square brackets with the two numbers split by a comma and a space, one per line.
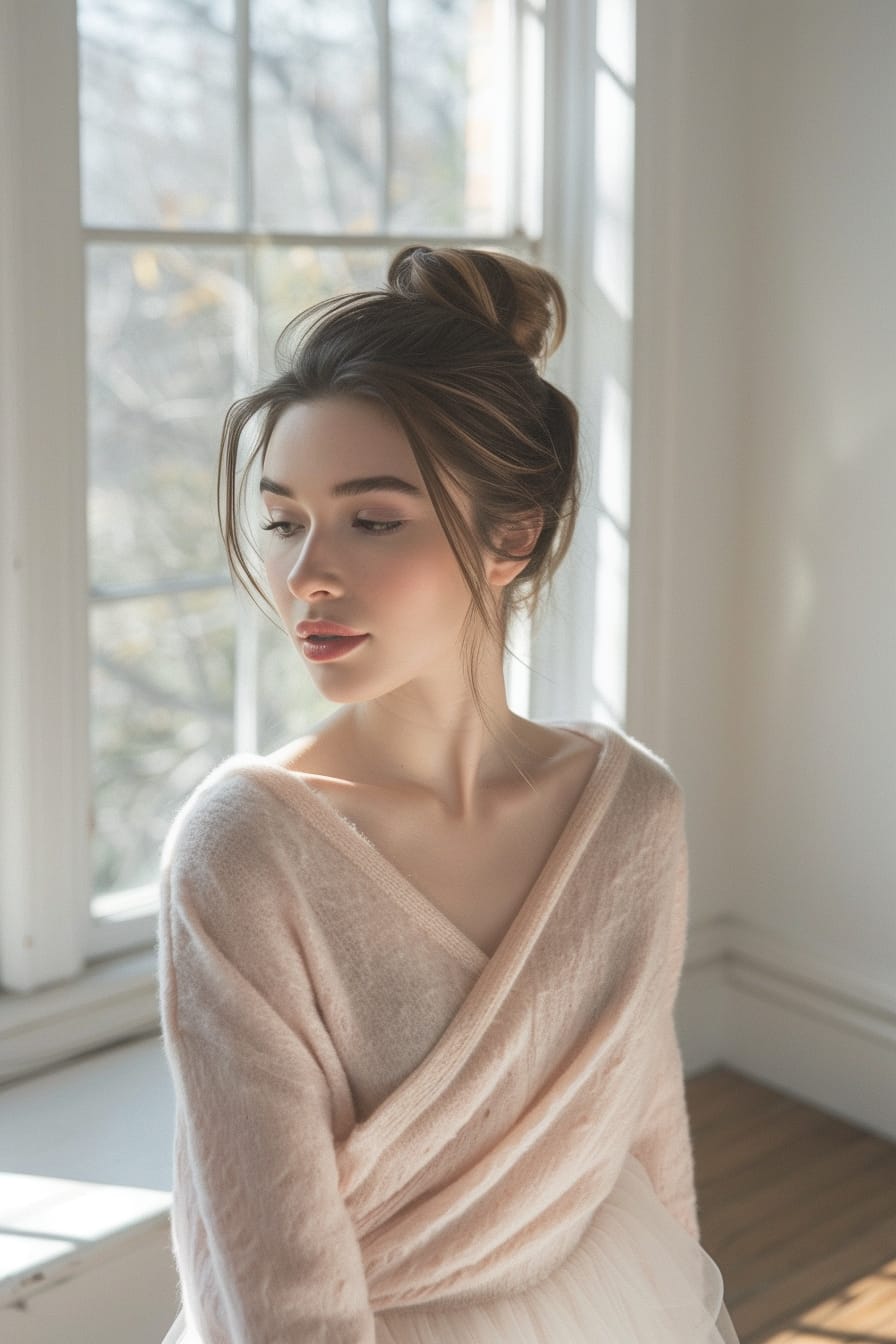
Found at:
[655, 788]
[653, 763]
[220, 813]
[617, 739]
[647, 782]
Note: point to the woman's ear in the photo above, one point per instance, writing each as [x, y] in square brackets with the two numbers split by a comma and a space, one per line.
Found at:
[519, 537]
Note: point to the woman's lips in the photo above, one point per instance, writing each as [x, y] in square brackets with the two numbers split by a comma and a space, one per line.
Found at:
[320, 649]
[322, 627]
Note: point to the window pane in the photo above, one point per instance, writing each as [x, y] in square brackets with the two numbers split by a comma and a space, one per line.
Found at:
[291, 278]
[316, 131]
[162, 673]
[163, 325]
[531, 120]
[610, 619]
[288, 700]
[451, 100]
[158, 116]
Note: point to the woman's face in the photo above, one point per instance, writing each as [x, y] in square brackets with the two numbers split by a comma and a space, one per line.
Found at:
[375, 560]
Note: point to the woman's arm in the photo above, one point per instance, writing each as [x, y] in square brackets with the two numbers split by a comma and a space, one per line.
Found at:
[663, 1146]
[663, 1143]
[265, 1247]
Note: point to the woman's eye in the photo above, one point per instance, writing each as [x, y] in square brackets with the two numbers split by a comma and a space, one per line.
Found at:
[275, 527]
[371, 525]
[377, 526]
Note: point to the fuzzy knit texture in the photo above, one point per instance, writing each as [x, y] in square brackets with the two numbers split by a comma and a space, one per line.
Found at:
[370, 1112]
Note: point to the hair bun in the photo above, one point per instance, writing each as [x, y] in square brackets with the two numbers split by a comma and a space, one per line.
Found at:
[522, 300]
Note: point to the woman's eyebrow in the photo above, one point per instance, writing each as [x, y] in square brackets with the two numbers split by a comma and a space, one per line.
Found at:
[362, 485]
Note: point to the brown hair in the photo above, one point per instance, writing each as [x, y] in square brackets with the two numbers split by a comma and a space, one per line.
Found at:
[454, 346]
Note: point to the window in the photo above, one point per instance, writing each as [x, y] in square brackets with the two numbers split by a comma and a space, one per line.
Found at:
[238, 162]
[187, 175]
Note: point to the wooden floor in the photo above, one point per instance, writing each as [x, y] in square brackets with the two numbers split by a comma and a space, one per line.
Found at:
[798, 1209]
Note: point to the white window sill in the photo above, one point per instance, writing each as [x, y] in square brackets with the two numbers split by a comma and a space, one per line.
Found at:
[86, 1181]
[115, 1000]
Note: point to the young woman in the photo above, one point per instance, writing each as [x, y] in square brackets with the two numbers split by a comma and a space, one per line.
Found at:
[418, 967]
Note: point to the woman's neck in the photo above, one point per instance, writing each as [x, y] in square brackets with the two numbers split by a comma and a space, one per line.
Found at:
[442, 750]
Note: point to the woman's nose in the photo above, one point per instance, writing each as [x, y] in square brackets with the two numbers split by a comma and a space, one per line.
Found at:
[314, 568]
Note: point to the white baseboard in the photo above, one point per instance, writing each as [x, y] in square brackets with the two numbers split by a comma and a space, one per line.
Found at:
[795, 1019]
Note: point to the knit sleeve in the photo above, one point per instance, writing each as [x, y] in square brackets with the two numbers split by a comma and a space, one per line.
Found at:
[663, 1145]
[663, 1142]
[265, 1247]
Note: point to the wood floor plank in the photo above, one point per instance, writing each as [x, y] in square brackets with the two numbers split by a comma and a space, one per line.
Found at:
[775, 1142]
[798, 1209]
[719, 1094]
[817, 1175]
[775, 1257]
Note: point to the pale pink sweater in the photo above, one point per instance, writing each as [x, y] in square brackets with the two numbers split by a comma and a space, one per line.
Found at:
[372, 1113]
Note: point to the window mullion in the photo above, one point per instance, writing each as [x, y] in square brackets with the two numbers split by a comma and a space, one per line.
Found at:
[246, 634]
[45, 768]
[561, 676]
[384, 52]
[246, 674]
[512, 112]
[243, 56]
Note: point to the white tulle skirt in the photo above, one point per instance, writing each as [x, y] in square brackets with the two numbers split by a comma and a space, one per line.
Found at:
[636, 1277]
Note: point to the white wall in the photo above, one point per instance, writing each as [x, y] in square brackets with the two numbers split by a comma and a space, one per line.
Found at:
[817, 733]
[690, 283]
[688, 427]
[771, 252]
